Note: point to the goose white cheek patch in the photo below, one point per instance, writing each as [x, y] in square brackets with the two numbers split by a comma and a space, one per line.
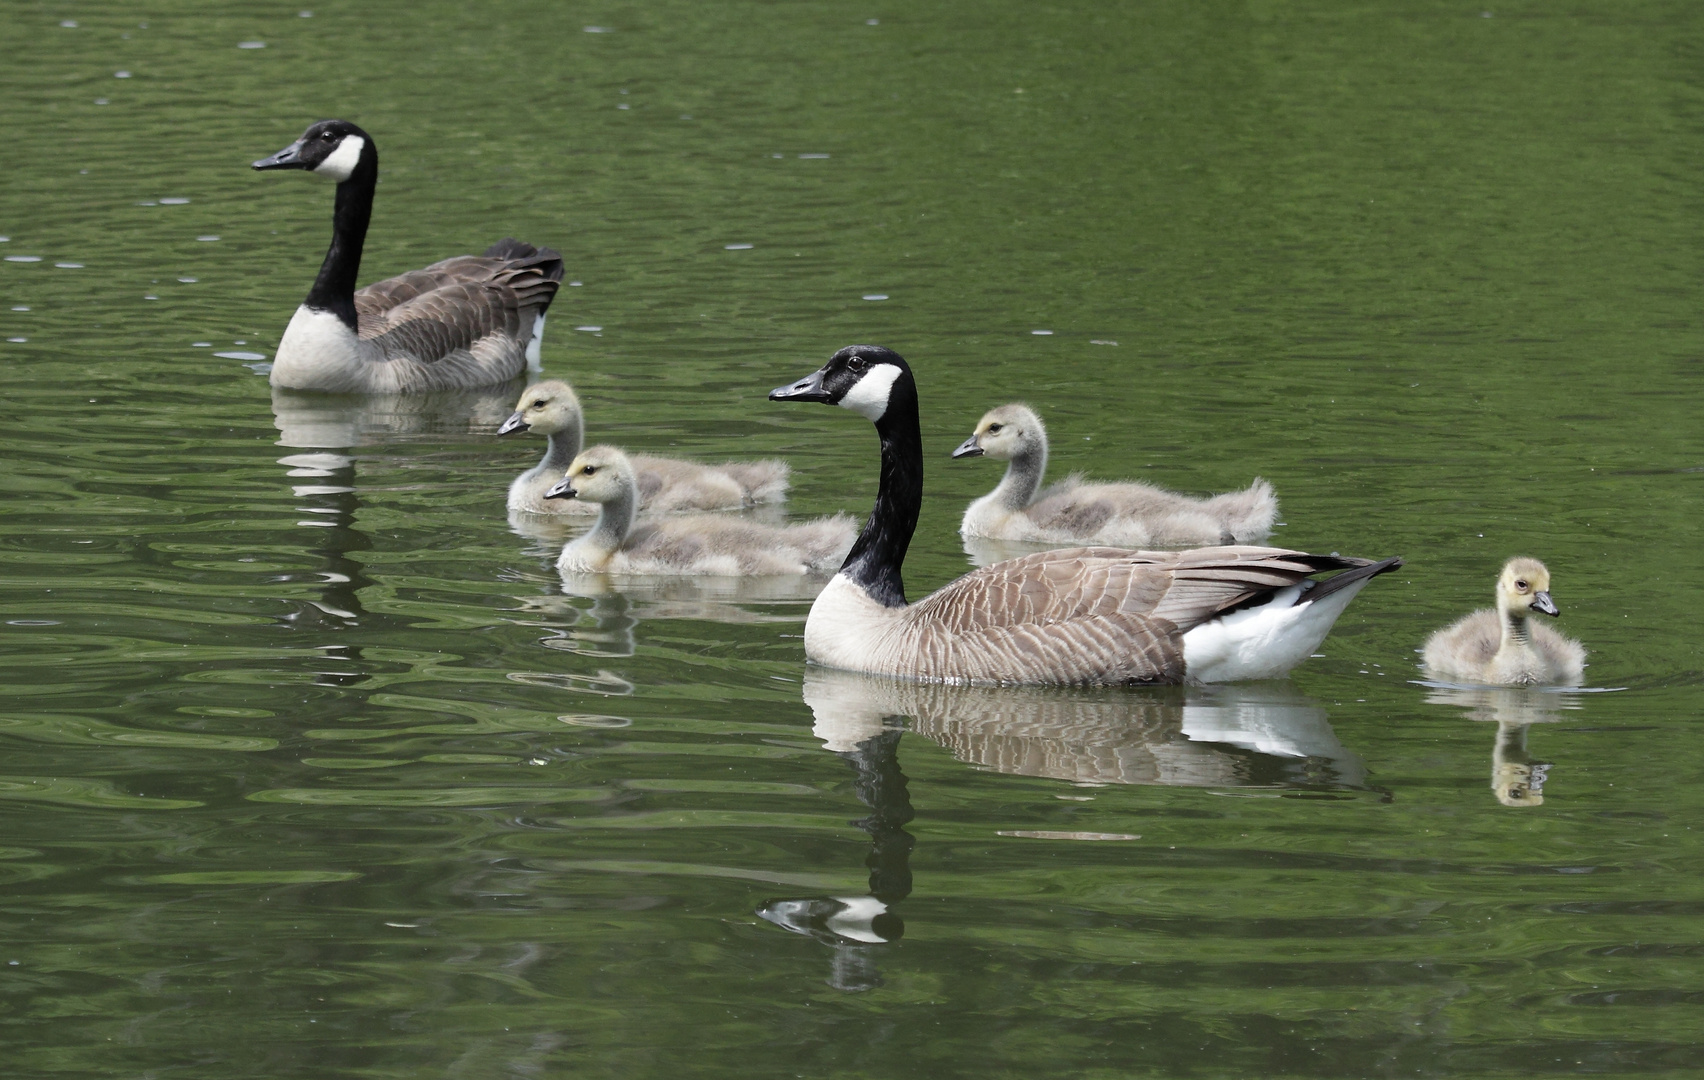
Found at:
[341, 164]
[869, 397]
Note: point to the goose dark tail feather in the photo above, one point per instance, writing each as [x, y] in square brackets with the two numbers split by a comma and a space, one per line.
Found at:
[1319, 590]
[545, 260]
[534, 273]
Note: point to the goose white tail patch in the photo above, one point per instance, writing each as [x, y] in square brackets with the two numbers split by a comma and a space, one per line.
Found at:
[1263, 642]
[869, 396]
[340, 165]
[535, 346]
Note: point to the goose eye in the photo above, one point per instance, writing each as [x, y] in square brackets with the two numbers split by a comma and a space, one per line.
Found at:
[538, 404]
[589, 469]
[327, 136]
[856, 363]
[1521, 585]
[994, 429]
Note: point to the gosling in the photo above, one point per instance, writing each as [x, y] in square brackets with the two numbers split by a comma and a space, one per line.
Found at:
[702, 545]
[1128, 515]
[550, 408]
[1504, 647]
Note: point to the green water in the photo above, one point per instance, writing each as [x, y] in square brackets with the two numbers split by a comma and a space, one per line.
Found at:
[311, 769]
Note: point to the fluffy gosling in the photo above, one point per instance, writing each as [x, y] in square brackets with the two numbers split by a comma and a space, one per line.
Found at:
[1505, 647]
[700, 545]
[550, 408]
[1130, 515]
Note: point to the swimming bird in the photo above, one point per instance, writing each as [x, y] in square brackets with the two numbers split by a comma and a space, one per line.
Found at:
[467, 321]
[1071, 511]
[550, 408]
[704, 544]
[1505, 647]
[1089, 615]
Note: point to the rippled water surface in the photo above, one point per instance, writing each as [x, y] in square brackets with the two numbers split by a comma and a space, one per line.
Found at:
[312, 768]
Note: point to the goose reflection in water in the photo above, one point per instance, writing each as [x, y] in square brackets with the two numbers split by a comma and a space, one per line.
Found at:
[1236, 734]
[854, 925]
[320, 429]
[1517, 778]
[1265, 734]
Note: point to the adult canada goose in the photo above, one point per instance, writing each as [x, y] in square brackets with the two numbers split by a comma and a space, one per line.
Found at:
[1078, 615]
[1505, 647]
[1073, 512]
[710, 545]
[551, 409]
[467, 321]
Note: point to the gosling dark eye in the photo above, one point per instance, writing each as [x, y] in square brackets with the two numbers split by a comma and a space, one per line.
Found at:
[589, 470]
[1521, 585]
[538, 404]
[994, 429]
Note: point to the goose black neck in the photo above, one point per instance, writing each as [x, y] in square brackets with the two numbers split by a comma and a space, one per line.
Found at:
[879, 552]
[334, 289]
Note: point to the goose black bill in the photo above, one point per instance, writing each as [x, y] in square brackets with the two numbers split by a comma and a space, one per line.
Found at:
[288, 158]
[809, 388]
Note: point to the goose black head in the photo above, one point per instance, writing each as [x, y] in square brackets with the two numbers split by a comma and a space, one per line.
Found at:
[331, 148]
[859, 377]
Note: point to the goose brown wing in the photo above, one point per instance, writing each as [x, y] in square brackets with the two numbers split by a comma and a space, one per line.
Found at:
[450, 305]
[378, 299]
[1184, 588]
[435, 324]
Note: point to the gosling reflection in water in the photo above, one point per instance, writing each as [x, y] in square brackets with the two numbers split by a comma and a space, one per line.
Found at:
[854, 925]
[1232, 735]
[592, 609]
[1517, 778]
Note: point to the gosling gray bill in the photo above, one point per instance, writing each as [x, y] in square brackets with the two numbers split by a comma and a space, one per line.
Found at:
[468, 321]
[1071, 511]
[1506, 647]
[550, 408]
[703, 545]
[1090, 615]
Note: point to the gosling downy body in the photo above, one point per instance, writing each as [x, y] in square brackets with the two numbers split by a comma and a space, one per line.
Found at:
[1506, 646]
[467, 321]
[1075, 512]
[701, 545]
[1074, 616]
[551, 409]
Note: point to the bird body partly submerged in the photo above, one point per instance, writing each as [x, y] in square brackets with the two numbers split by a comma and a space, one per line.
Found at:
[1076, 511]
[552, 409]
[1505, 646]
[467, 321]
[1095, 616]
[701, 545]
[1078, 616]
